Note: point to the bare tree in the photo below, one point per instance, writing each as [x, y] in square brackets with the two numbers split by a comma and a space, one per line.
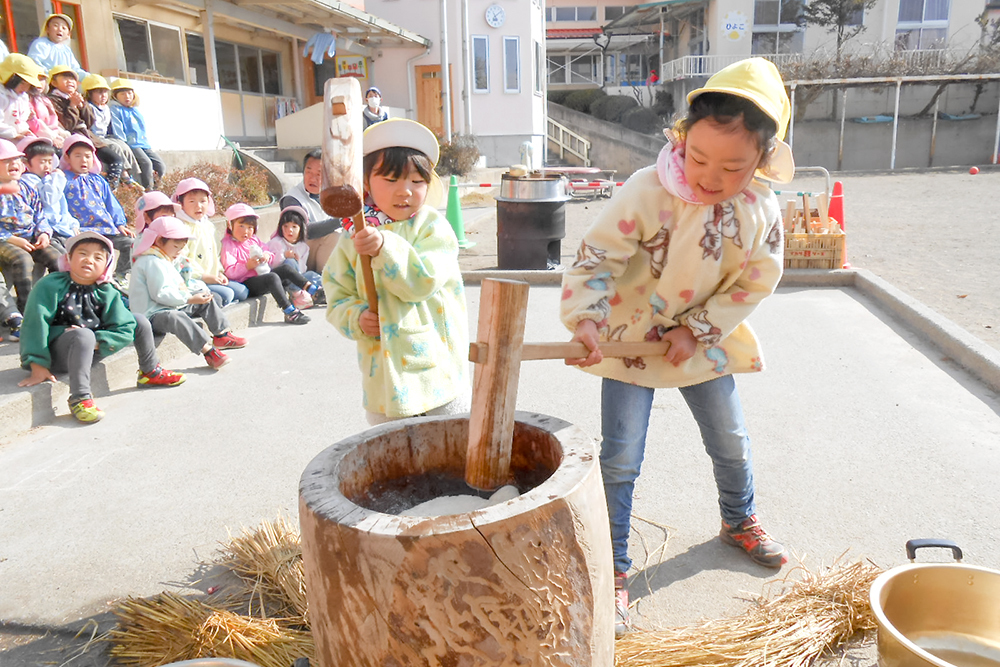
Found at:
[843, 17]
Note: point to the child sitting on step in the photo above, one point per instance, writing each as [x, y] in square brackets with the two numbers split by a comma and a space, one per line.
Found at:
[171, 301]
[75, 313]
[247, 260]
[288, 243]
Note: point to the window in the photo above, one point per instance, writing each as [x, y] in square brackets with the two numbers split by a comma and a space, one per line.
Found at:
[923, 24]
[148, 46]
[537, 66]
[578, 69]
[197, 60]
[248, 69]
[557, 69]
[612, 12]
[777, 27]
[587, 13]
[511, 65]
[480, 64]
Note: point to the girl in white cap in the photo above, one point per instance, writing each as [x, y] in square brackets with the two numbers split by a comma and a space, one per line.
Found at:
[684, 252]
[413, 352]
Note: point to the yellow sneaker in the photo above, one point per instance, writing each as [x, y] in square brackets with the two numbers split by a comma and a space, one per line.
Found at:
[85, 411]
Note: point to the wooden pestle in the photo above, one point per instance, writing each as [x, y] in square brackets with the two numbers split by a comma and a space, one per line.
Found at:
[343, 169]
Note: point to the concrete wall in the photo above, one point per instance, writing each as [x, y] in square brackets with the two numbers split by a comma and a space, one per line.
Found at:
[181, 117]
[612, 146]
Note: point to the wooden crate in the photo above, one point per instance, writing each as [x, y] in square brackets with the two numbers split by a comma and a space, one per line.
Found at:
[813, 240]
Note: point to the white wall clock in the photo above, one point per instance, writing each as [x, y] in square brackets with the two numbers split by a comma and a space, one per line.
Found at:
[495, 16]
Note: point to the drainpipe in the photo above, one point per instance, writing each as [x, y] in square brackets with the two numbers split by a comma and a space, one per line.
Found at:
[445, 79]
[411, 81]
[466, 68]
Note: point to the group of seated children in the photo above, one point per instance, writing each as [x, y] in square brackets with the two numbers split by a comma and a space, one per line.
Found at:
[75, 103]
[68, 221]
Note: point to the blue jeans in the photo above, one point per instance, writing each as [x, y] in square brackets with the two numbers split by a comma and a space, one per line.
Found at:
[233, 291]
[715, 405]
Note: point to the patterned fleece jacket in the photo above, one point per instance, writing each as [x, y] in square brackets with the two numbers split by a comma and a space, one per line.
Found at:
[652, 261]
[420, 360]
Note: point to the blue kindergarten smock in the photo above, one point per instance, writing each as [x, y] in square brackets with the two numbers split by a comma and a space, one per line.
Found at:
[21, 215]
[91, 202]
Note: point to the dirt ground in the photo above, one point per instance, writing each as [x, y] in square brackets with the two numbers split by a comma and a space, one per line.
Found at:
[933, 234]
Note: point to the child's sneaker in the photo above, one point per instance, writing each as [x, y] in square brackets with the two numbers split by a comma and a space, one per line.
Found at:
[13, 322]
[85, 411]
[755, 541]
[302, 300]
[216, 358]
[319, 298]
[229, 341]
[160, 377]
[622, 622]
[296, 317]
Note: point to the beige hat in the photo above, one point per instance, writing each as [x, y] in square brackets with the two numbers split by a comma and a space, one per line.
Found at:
[401, 132]
[64, 17]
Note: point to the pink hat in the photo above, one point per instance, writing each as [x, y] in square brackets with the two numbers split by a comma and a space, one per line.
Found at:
[151, 201]
[73, 140]
[8, 151]
[190, 184]
[23, 144]
[93, 236]
[166, 227]
[291, 209]
[240, 211]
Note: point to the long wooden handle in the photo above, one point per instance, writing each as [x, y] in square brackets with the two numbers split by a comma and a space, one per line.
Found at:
[478, 351]
[366, 267]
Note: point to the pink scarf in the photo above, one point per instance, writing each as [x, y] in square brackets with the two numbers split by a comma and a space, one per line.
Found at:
[670, 169]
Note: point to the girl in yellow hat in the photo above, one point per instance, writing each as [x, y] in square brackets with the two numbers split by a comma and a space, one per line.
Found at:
[52, 47]
[683, 253]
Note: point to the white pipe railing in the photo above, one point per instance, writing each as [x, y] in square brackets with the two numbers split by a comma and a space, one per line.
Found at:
[569, 141]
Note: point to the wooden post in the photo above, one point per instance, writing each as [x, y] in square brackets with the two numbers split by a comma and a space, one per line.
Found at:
[502, 313]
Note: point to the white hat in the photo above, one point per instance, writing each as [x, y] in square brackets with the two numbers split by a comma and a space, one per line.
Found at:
[401, 132]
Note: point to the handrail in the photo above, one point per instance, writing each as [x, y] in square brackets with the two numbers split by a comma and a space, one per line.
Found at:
[568, 141]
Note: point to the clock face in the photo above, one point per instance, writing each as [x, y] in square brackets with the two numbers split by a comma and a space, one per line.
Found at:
[495, 16]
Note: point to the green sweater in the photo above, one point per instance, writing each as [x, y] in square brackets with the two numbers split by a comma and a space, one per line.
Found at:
[117, 328]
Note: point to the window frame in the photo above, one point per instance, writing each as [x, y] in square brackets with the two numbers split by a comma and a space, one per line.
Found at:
[538, 86]
[919, 27]
[485, 41]
[181, 43]
[516, 41]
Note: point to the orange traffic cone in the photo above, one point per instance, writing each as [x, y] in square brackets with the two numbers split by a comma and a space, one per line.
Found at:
[837, 213]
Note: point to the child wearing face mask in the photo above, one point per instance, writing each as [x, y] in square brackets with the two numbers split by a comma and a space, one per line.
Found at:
[374, 113]
[683, 253]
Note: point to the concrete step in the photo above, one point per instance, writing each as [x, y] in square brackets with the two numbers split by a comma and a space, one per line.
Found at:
[22, 409]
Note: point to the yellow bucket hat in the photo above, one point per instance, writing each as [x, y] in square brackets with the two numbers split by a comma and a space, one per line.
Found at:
[24, 67]
[64, 17]
[758, 80]
[121, 84]
[63, 69]
[93, 82]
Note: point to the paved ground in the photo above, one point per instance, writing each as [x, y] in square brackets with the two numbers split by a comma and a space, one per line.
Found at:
[865, 436]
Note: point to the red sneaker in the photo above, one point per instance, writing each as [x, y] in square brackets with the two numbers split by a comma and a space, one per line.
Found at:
[622, 622]
[216, 358]
[229, 341]
[160, 377]
[753, 539]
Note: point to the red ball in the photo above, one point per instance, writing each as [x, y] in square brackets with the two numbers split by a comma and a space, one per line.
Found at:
[973, 170]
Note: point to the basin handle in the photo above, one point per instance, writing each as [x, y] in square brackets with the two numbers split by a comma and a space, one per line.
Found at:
[913, 545]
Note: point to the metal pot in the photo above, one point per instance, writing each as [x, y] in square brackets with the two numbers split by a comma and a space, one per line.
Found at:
[533, 188]
[939, 614]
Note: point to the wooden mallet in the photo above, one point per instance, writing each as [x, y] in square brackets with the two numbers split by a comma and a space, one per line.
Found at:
[498, 353]
[343, 190]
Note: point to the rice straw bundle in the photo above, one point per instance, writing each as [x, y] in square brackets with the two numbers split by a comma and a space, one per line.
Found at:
[169, 628]
[270, 559]
[810, 617]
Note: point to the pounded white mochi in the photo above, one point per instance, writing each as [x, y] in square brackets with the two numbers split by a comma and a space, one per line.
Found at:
[461, 504]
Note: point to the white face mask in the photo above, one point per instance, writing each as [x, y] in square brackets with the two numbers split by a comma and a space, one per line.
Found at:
[374, 101]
